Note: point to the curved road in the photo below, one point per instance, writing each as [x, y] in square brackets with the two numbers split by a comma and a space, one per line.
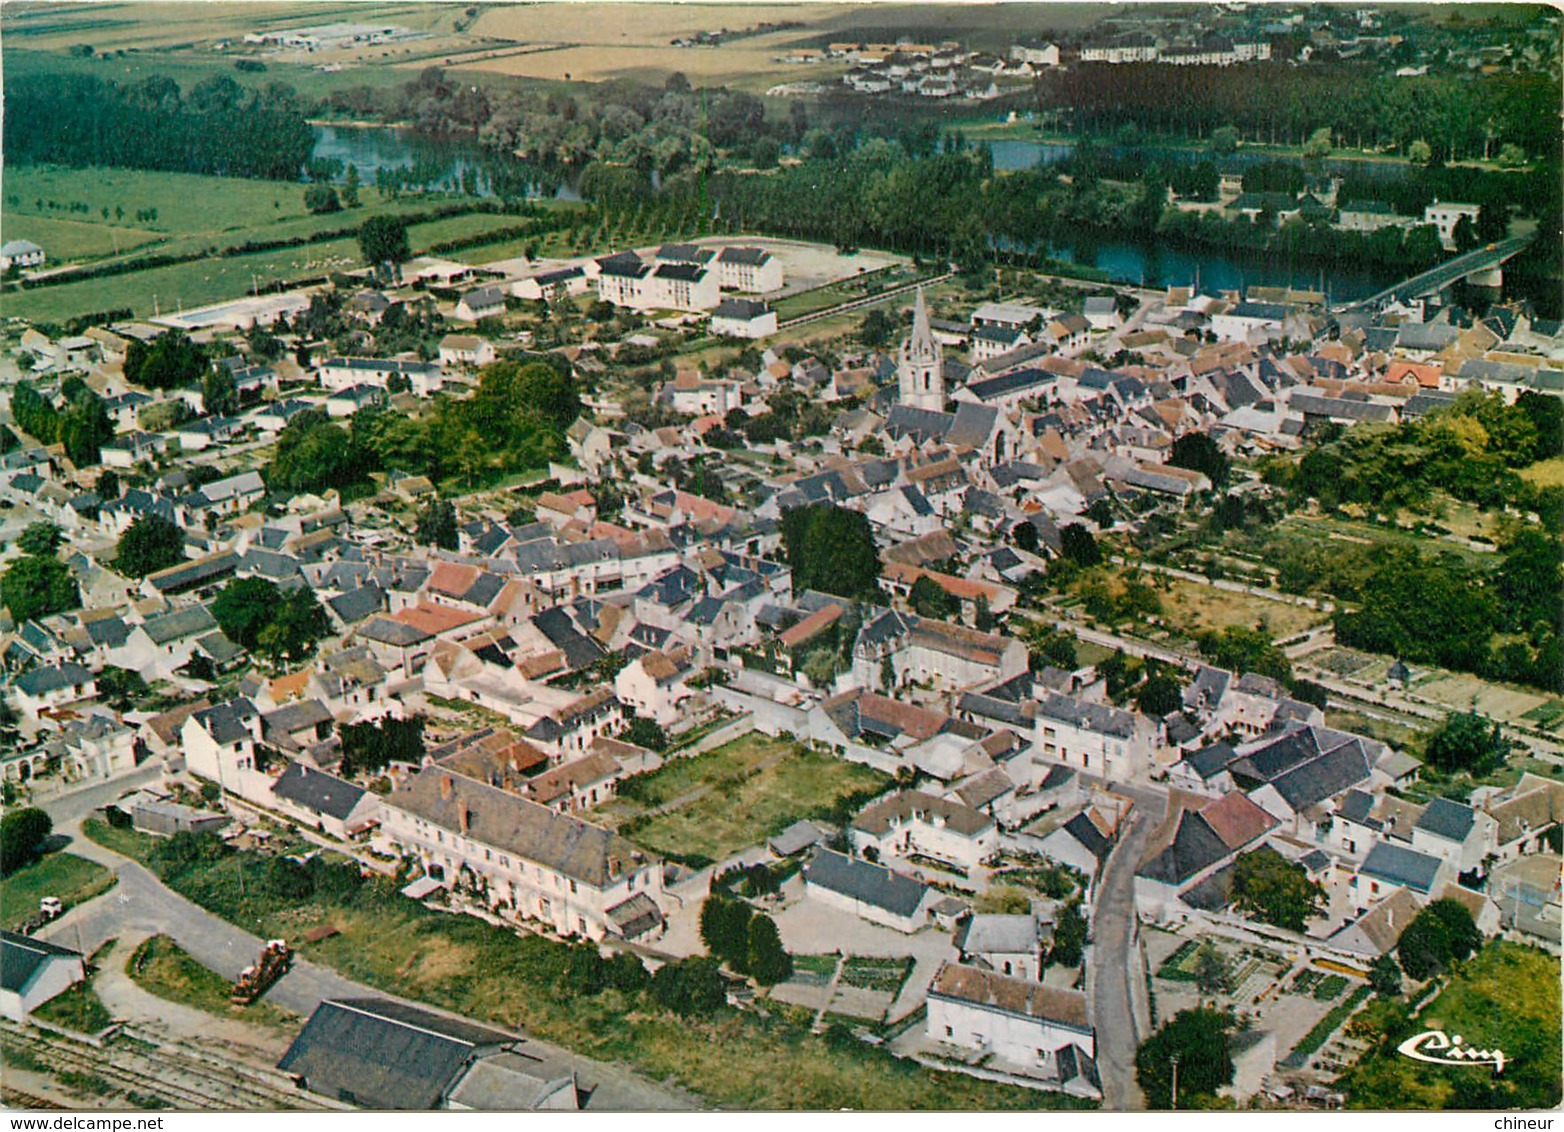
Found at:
[141, 905]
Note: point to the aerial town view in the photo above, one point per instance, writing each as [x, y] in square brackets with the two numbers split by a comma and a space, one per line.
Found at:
[751, 556]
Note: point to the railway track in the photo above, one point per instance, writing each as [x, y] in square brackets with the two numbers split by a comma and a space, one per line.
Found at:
[184, 1082]
[16, 1098]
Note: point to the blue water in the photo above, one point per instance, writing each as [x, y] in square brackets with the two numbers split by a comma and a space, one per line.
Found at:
[371, 148]
[1153, 265]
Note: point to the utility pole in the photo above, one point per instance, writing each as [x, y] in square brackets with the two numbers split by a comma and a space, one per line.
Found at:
[1174, 1059]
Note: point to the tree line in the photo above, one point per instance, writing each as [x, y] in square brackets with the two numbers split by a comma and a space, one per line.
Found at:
[216, 127]
[1276, 102]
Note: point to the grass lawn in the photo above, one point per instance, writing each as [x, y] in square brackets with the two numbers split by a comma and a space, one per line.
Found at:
[739, 799]
[1506, 997]
[1403, 737]
[194, 213]
[490, 974]
[161, 967]
[1545, 473]
[1191, 607]
[73, 879]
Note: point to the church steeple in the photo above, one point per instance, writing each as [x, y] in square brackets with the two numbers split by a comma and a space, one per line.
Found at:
[920, 374]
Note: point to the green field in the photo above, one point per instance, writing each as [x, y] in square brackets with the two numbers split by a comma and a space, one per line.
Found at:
[68, 240]
[734, 796]
[1506, 997]
[201, 282]
[73, 879]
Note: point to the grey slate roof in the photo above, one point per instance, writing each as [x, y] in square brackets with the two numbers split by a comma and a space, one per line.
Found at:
[21, 958]
[1449, 820]
[1086, 832]
[536, 834]
[869, 883]
[384, 1055]
[41, 681]
[357, 604]
[1086, 715]
[1401, 866]
[179, 624]
[1210, 761]
[315, 790]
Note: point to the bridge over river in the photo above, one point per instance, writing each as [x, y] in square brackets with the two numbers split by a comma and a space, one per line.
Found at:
[1483, 263]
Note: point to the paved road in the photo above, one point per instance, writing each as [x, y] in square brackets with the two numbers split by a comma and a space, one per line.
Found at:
[1117, 963]
[141, 905]
[65, 809]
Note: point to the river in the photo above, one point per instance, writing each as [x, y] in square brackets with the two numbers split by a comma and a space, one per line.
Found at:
[442, 163]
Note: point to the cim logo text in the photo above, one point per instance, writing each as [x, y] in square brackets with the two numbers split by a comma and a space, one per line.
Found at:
[1435, 1047]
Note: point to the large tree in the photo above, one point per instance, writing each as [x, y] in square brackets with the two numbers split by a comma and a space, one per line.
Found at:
[371, 747]
[298, 622]
[1069, 947]
[1194, 1046]
[831, 549]
[40, 538]
[150, 544]
[1077, 544]
[171, 362]
[1441, 934]
[22, 835]
[1466, 741]
[724, 927]
[930, 599]
[1276, 891]
[244, 608]
[437, 526]
[383, 239]
[37, 585]
[314, 455]
[766, 959]
[692, 987]
[1197, 452]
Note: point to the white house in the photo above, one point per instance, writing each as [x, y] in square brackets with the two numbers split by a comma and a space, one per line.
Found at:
[466, 350]
[914, 824]
[575, 786]
[525, 860]
[552, 285]
[1037, 54]
[338, 807]
[42, 689]
[479, 303]
[1092, 737]
[20, 253]
[743, 318]
[656, 685]
[422, 378]
[32, 971]
[868, 891]
[1006, 944]
[1456, 834]
[1044, 1031]
[1444, 215]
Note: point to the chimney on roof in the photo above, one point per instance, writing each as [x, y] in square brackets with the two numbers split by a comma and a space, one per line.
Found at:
[445, 787]
[613, 868]
[462, 815]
